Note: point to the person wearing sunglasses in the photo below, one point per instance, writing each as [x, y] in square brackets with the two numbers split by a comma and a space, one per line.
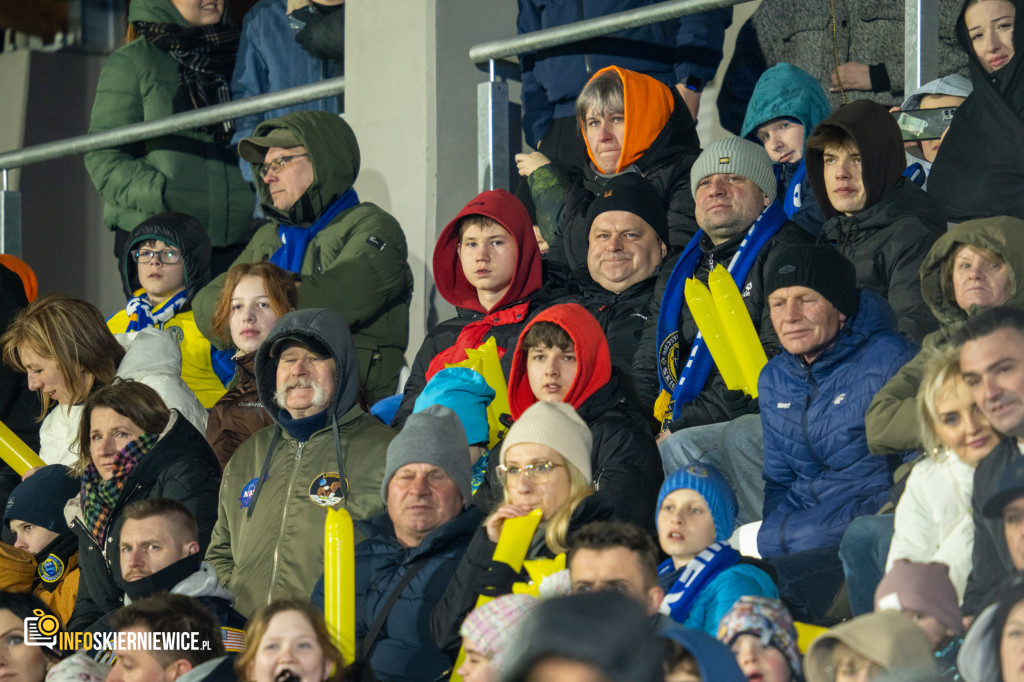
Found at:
[166, 261]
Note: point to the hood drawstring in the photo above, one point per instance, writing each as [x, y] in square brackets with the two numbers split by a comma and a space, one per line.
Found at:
[263, 473]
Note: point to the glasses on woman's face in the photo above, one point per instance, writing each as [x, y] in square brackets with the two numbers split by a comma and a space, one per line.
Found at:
[169, 257]
[278, 164]
[538, 471]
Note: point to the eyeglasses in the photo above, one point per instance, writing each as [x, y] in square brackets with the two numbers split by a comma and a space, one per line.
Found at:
[278, 164]
[165, 257]
[538, 471]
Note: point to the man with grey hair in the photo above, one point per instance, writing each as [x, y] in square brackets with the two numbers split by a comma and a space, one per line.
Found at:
[734, 187]
[322, 450]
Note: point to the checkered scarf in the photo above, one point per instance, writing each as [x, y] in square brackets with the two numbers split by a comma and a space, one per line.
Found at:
[99, 497]
[205, 57]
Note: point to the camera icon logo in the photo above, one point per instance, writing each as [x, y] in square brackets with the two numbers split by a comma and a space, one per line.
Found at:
[41, 629]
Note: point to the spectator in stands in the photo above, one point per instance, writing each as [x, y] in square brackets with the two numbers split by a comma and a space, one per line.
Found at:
[586, 637]
[703, 576]
[867, 647]
[948, 91]
[177, 57]
[840, 347]
[165, 262]
[923, 591]
[683, 53]
[44, 559]
[734, 186]
[991, 649]
[628, 238]
[545, 464]
[322, 450]
[487, 265]
[976, 265]
[254, 296]
[786, 105]
[991, 357]
[132, 447]
[630, 122]
[761, 633]
[20, 659]
[290, 634]
[64, 346]
[563, 356]
[285, 45]
[693, 655]
[865, 42]
[412, 550]
[616, 556]
[978, 172]
[487, 633]
[877, 218]
[199, 654]
[307, 162]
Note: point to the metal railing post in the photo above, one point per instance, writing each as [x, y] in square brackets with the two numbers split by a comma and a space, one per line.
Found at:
[492, 134]
[10, 220]
[921, 43]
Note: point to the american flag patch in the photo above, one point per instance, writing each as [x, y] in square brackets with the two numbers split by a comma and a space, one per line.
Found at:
[234, 639]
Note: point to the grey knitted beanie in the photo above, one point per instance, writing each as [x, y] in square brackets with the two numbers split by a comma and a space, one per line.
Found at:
[433, 436]
[557, 426]
[739, 156]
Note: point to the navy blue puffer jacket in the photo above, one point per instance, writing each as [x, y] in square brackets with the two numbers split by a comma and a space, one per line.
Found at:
[819, 474]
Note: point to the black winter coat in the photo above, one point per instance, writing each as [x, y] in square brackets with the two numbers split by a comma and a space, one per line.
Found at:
[715, 403]
[887, 243]
[181, 466]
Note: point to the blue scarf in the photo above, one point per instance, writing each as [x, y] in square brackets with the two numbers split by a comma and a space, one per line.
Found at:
[141, 314]
[294, 239]
[696, 575]
[698, 366]
[793, 201]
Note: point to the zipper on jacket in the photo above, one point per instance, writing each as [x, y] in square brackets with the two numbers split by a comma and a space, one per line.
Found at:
[284, 518]
[803, 422]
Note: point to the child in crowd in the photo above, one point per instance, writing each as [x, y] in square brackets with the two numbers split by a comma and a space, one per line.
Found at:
[44, 560]
[761, 633]
[165, 262]
[925, 592]
[703, 576]
[487, 633]
[487, 265]
[866, 647]
[465, 392]
[786, 106]
[948, 91]
[693, 656]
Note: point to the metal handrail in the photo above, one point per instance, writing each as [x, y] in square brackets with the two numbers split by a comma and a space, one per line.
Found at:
[188, 120]
[592, 28]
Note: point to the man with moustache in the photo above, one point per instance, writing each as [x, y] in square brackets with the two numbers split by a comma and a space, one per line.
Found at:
[322, 450]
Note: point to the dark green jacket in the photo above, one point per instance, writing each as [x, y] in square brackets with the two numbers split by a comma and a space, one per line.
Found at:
[187, 171]
[357, 265]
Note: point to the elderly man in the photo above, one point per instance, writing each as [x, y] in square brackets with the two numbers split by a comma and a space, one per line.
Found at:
[734, 186]
[350, 256]
[322, 450]
[413, 549]
[840, 346]
[626, 244]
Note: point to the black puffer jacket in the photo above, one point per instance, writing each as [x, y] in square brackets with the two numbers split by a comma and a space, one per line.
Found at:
[887, 243]
[180, 466]
[712, 405]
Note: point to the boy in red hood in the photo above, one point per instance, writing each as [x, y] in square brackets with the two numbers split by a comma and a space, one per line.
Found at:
[487, 265]
[563, 356]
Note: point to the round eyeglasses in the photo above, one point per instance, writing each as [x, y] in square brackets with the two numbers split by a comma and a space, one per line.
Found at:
[168, 257]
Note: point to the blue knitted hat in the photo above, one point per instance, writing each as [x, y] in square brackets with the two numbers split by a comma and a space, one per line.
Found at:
[466, 393]
[712, 486]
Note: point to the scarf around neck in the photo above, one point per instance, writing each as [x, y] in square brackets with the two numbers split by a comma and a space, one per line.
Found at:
[141, 314]
[696, 575]
[295, 239]
[99, 497]
[474, 334]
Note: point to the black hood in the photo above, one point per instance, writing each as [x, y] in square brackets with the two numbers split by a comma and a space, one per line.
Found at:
[177, 229]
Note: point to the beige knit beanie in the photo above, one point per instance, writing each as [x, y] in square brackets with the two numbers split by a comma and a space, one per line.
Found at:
[557, 426]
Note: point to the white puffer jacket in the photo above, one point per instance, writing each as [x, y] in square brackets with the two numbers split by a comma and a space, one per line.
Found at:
[153, 358]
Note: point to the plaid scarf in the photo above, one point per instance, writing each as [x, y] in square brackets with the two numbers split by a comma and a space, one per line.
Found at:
[206, 59]
[142, 316]
[99, 497]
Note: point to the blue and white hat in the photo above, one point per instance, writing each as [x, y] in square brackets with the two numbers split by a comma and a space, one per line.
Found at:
[713, 487]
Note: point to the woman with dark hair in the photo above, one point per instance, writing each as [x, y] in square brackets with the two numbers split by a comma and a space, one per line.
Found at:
[289, 635]
[993, 650]
[131, 447]
[20, 660]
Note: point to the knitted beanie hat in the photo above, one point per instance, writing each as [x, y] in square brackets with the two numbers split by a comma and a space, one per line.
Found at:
[713, 487]
[821, 268]
[767, 619]
[433, 436]
[738, 156]
[631, 193]
[489, 628]
[557, 426]
[464, 391]
[40, 498]
[913, 586]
